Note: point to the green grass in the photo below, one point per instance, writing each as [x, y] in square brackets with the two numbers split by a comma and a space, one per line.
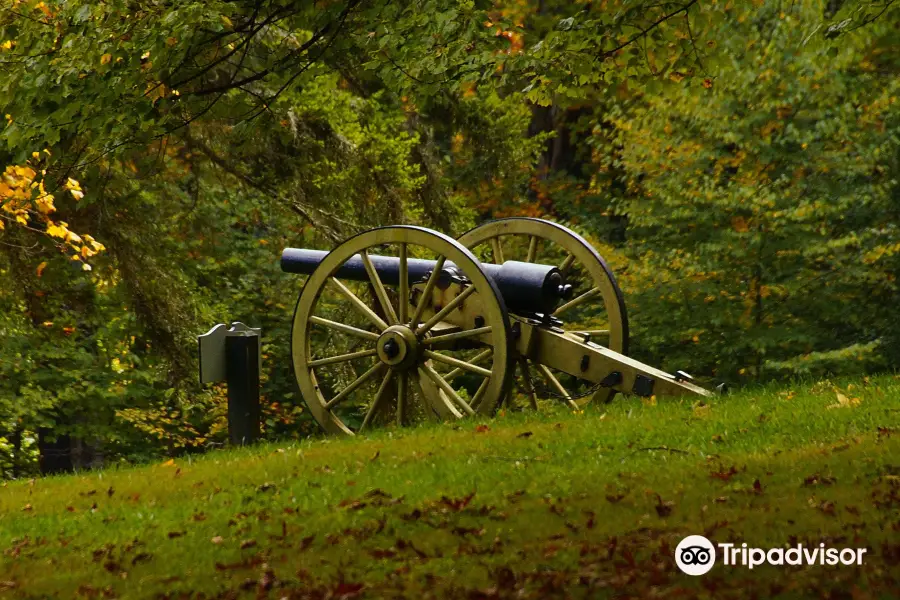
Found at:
[524, 506]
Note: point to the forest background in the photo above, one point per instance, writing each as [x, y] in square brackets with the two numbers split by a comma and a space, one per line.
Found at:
[734, 161]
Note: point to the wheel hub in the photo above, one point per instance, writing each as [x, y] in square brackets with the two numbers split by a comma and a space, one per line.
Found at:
[397, 347]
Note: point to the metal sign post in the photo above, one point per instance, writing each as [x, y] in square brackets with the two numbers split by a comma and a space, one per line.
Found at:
[233, 355]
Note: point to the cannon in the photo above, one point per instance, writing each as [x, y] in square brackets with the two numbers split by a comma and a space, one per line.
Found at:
[402, 323]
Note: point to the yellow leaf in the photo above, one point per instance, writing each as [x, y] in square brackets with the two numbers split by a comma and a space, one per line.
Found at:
[227, 22]
[845, 402]
[78, 194]
[57, 230]
[85, 267]
[7, 45]
[2, 226]
[105, 59]
[169, 463]
[41, 267]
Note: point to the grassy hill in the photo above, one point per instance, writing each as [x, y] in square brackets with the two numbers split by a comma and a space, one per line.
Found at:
[522, 506]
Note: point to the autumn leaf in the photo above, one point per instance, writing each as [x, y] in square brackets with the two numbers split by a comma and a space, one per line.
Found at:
[40, 268]
[844, 402]
[740, 224]
[105, 59]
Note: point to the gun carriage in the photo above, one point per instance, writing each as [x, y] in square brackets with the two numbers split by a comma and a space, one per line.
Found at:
[403, 323]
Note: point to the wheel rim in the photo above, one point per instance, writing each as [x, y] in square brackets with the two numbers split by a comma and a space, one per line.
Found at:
[361, 356]
[600, 298]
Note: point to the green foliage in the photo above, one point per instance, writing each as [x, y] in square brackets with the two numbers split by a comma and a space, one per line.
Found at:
[767, 199]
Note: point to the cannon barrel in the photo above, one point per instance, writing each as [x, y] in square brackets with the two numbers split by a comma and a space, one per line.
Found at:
[525, 287]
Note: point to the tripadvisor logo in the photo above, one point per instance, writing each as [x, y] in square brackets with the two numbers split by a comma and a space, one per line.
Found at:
[696, 555]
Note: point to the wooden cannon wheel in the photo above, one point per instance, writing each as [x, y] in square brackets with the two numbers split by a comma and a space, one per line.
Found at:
[597, 307]
[362, 351]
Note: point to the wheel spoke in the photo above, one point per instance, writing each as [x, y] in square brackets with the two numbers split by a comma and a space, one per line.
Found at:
[433, 395]
[401, 397]
[352, 387]
[497, 249]
[426, 293]
[475, 360]
[447, 389]
[380, 292]
[349, 329]
[359, 304]
[378, 396]
[451, 306]
[459, 364]
[577, 301]
[458, 335]
[532, 248]
[552, 380]
[526, 381]
[341, 358]
[403, 304]
[479, 394]
[567, 263]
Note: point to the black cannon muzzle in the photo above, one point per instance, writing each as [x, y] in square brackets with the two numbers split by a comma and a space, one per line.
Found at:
[525, 287]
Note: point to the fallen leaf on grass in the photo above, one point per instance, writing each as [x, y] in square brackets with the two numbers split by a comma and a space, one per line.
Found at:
[403, 545]
[307, 542]
[347, 590]
[844, 402]
[664, 509]
[457, 504]
[175, 534]
[827, 507]
[817, 479]
[352, 504]
[514, 497]
[701, 409]
[142, 557]
[217, 540]
[464, 531]
[725, 475]
[525, 434]
[266, 487]
[482, 429]
[248, 544]
[757, 487]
